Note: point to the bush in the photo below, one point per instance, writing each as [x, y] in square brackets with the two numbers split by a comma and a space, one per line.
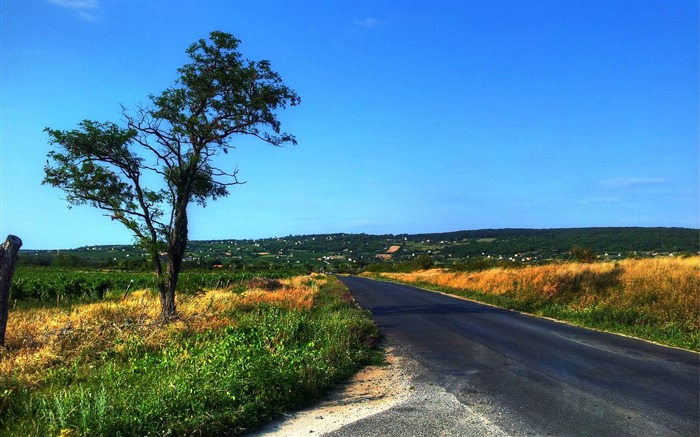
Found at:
[583, 254]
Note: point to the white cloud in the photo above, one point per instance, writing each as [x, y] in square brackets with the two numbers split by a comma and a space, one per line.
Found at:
[600, 200]
[84, 8]
[368, 23]
[76, 4]
[627, 182]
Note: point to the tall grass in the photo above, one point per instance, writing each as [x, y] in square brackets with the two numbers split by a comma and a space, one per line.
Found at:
[231, 362]
[657, 299]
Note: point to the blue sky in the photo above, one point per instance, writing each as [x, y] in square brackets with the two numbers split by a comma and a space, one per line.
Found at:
[416, 116]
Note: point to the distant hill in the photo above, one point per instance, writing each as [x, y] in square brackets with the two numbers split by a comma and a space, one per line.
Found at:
[342, 251]
[551, 242]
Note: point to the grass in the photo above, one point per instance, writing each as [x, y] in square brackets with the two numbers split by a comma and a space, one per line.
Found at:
[229, 364]
[656, 299]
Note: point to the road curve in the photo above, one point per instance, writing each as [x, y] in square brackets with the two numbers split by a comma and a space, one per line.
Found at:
[533, 376]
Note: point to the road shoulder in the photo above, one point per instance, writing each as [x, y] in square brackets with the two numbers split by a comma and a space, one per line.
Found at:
[388, 400]
[372, 390]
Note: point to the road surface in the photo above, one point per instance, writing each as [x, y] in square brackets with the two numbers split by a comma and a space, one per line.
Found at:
[515, 374]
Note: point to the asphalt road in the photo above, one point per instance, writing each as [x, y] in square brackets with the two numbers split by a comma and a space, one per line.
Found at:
[505, 373]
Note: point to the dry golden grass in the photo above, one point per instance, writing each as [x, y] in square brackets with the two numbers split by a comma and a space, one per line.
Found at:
[296, 293]
[667, 289]
[544, 281]
[671, 286]
[41, 338]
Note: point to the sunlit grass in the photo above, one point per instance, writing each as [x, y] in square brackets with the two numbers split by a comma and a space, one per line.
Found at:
[657, 298]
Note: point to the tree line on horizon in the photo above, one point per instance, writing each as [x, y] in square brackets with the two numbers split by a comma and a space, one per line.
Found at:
[445, 248]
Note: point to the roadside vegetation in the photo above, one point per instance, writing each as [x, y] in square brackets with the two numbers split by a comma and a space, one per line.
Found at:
[655, 298]
[234, 359]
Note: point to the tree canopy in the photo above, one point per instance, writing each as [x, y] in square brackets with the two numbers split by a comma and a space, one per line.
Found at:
[177, 137]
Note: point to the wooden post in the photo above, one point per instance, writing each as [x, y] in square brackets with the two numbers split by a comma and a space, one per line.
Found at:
[8, 259]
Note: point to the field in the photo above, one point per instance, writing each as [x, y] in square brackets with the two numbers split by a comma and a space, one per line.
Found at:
[52, 285]
[233, 360]
[656, 298]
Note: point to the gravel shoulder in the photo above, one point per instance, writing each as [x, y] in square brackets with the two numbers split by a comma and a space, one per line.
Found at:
[388, 401]
[372, 390]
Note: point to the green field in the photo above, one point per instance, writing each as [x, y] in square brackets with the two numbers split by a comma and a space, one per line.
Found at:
[49, 284]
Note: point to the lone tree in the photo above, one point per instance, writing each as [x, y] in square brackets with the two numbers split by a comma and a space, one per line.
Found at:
[217, 95]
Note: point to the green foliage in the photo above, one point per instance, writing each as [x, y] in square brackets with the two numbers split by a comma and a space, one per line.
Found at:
[556, 243]
[465, 250]
[52, 285]
[422, 262]
[217, 95]
[48, 285]
[221, 382]
[479, 264]
[583, 254]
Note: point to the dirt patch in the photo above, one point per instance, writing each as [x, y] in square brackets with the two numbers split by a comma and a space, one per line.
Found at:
[393, 249]
[374, 389]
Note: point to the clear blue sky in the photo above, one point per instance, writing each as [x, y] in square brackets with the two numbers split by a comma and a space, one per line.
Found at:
[416, 116]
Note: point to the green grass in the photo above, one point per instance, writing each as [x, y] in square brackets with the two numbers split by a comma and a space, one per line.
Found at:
[220, 382]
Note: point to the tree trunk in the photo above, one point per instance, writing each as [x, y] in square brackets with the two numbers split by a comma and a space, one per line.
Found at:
[166, 289]
[167, 299]
[176, 251]
[8, 260]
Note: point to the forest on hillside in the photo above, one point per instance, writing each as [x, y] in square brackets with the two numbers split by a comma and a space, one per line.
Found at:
[355, 252]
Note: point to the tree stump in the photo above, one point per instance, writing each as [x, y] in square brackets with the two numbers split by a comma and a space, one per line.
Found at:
[8, 260]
